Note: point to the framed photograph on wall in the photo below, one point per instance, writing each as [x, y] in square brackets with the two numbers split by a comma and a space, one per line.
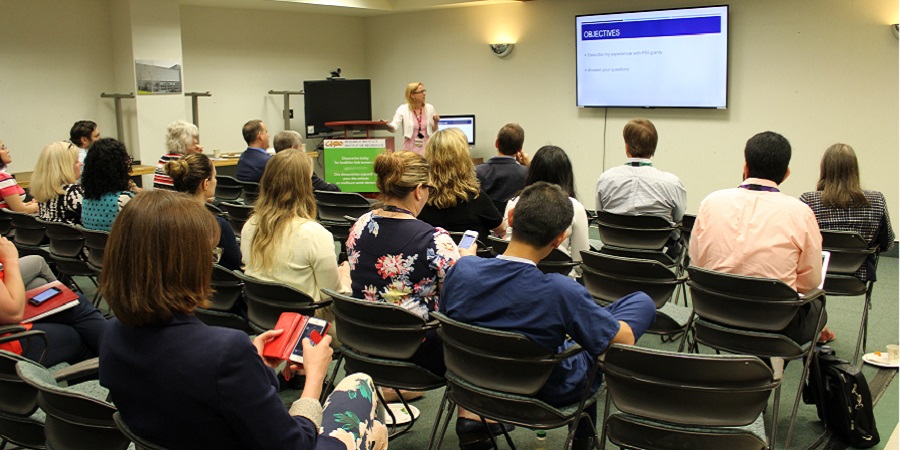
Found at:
[157, 77]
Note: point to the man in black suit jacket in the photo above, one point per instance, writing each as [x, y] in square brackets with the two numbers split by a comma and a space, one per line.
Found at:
[504, 175]
[292, 139]
[253, 161]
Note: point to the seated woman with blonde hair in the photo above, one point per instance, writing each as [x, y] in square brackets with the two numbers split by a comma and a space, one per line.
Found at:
[54, 183]
[458, 203]
[282, 242]
[184, 385]
[195, 175]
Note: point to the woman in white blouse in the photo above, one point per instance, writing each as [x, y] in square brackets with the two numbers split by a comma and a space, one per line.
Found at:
[417, 117]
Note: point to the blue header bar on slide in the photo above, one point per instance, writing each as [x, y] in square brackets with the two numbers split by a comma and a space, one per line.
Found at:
[458, 121]
[651, 28]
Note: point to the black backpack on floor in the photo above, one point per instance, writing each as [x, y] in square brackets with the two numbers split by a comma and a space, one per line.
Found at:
[843, 400]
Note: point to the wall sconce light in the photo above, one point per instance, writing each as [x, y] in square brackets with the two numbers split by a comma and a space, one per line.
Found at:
[895, 28]
[502, 50]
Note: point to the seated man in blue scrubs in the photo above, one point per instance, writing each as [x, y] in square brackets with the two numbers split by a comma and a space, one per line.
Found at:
[510, 293]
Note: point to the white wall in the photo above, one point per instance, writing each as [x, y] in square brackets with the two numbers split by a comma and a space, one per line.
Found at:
[818, 74]
[240, 55]
[55, 64]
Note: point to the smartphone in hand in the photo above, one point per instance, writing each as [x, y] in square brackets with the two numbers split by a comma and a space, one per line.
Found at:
[314, 330]
[468, 239]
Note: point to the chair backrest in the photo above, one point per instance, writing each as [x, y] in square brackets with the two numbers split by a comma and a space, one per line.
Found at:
[18, 401]
[333, 206]
[250, 191]
[75, 420]
[493, 359]
[740, 301]
[95, 241]
[499, 245]
[6, 225]
[266, 301]
[377, 328]
[227, 288]
[237, 215]
[139, 442]
[214, 209]
[643, 232]
[610, 278]
[687, 227]
[228, 188]
[16, 397]
[66, 241]
[687, 389]
[29, 232]
[848, 251]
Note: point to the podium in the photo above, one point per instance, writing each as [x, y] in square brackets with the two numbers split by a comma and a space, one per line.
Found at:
[349, 161]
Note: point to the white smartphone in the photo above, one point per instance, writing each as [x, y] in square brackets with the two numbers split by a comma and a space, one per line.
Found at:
[315, 329]
[468, 239]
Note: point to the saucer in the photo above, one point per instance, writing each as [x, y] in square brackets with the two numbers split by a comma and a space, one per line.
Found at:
[400, 413]
[880, 361]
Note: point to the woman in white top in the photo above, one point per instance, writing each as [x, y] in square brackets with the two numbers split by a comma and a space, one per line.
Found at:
[282, 242]
[551, 164]
[418, 118]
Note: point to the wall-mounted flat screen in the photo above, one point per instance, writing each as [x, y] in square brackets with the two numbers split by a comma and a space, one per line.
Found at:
[335, 101]
[465, 122]
[674, 58]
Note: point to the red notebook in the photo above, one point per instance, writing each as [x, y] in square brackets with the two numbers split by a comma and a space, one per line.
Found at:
[64, 300]
[293, 325]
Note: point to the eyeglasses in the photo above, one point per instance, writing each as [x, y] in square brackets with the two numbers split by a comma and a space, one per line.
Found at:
[431, 189]
[421, 92]
[3, 147]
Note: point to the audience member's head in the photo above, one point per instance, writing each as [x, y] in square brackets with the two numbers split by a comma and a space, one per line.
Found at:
[411, 88]
[193, 174]
[542, 216]
[256, 134]
[640, 138]
[452, 171]
[182, 138]
[767, 156]
[281, 199]
[84, 133]
[56, 167]
[510, 139]
[551, 164]
[287, 139]
[107, 168]
[400, 174]
[158, 258]
[839, 178]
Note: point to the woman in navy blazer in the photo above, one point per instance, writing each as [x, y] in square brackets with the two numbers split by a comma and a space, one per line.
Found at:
[182, 384]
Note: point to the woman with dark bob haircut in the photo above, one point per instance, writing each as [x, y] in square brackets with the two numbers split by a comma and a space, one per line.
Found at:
[107, 184]
[184, 385]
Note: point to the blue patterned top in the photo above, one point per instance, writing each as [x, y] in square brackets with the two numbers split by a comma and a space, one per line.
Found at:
[99, 214]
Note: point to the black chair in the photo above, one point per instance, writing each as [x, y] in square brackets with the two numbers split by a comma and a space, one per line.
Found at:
[631, 236]
[669, 401]
[228, 189]
[237, 215]
[95, 242]
[609, 278]
[67, 253]
[333, 206]
[849, 251]
[687, 227]
[139, 442]
[77, 417]
[250, 191]
[6, 226]
[30, 237]
[744, 315]
[266, 301]
[227, 293]
[20, 421]
[378, 339]
[214, 209]
[496, 374]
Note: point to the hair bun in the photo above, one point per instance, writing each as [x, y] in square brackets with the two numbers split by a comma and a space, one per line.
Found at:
[176, 168]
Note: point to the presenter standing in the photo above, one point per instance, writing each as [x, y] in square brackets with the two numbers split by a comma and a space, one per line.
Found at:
[418, 118]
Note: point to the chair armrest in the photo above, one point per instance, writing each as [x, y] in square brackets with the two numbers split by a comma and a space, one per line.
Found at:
[16, 328]
[812, 295]
[80, 371]
[321, 304]
[569, 352]
[430, 325]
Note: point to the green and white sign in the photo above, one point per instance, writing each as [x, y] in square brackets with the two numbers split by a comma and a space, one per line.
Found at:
[349, 163]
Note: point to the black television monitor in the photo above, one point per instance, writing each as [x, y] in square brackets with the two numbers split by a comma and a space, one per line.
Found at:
[465, 122]
[335, 101]
[673, 58]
